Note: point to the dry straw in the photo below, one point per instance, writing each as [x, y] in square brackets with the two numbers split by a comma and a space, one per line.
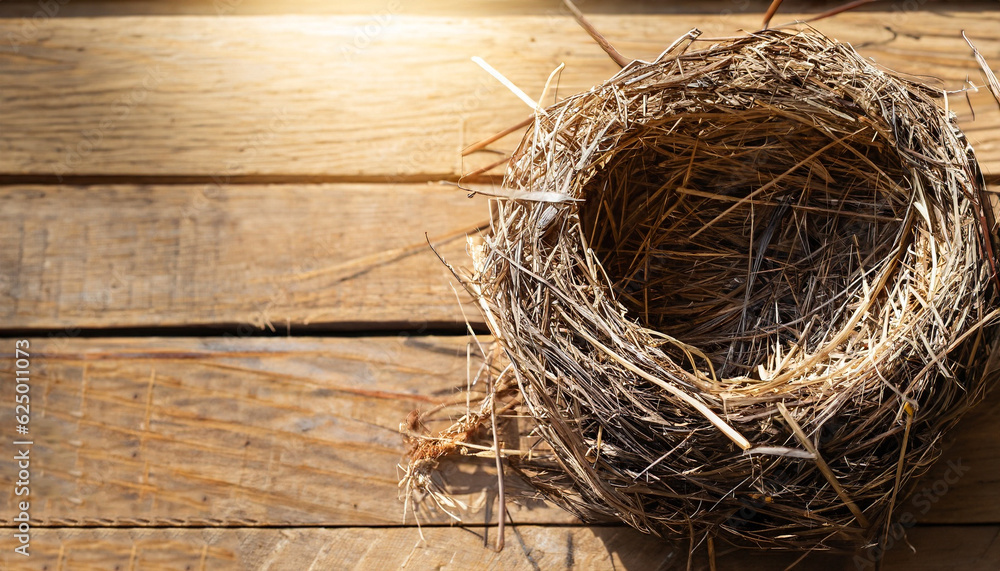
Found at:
[741, 291]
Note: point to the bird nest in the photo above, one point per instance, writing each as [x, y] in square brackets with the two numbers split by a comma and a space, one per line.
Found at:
[741, 291]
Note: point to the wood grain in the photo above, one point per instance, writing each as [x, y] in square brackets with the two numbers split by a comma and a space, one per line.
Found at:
[232, 431]
[336, 256]
[79, 8]
[295, 431]
[349, 98]
[528, 548]
[252, 256]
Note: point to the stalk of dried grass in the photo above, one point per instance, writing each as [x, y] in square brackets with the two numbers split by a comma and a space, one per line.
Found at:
[741, 290]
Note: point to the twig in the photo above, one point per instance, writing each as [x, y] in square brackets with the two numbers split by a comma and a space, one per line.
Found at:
[486, 168]
[508, 84]
[492, 138]
[908, 410]
[822, 465]
[991, 79]
[839, 10]
[829, 13]
[557, 72]
[501, 497]
[771, 10]
[621, 60]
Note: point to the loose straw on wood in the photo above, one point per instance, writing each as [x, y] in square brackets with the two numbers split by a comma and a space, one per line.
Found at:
[752, 294]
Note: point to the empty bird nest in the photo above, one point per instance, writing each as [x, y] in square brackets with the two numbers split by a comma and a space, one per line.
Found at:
[741, 291]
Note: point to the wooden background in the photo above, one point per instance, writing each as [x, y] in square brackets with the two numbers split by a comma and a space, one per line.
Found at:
[212, 233]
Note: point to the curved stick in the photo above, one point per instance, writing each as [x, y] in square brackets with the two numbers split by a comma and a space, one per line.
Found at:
[621, 60]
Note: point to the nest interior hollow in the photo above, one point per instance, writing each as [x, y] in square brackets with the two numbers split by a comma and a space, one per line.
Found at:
[741, 290]
[738, 231]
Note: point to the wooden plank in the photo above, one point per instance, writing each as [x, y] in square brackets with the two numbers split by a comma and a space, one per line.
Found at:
[78, 8]
[349, 98]
[244, 256]
[973, 455]
[248, 255]
[85, 8]
[527, 547]
[294, 431]
[230, 431]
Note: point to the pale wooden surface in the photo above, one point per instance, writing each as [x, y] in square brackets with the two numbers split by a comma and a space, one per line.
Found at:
[27, 8]
[303, 96]
[455, 549]
[229, 452]
[231, 431]
[250, 255]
